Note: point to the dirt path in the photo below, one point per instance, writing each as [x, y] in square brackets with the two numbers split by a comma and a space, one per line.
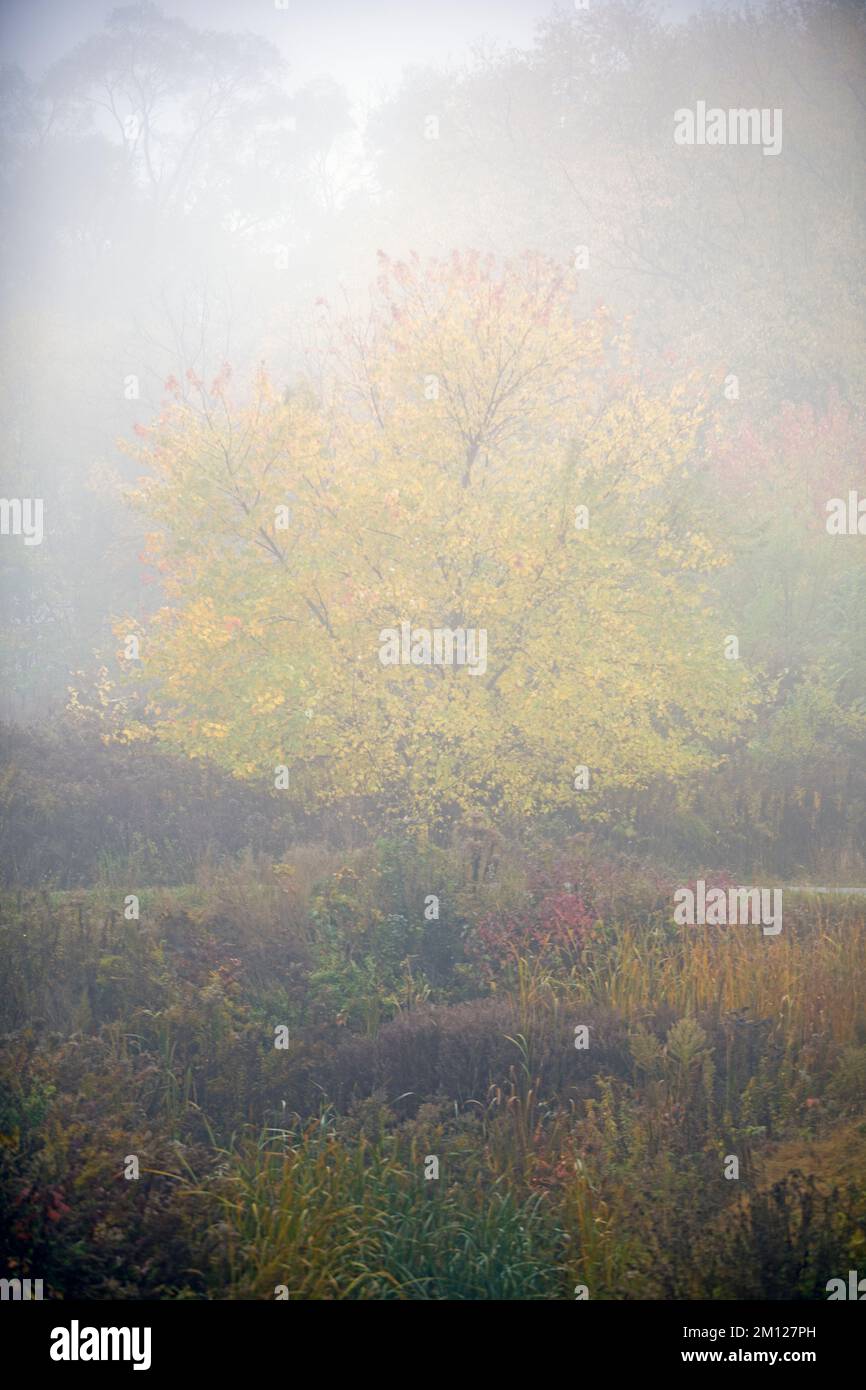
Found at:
[810, 888]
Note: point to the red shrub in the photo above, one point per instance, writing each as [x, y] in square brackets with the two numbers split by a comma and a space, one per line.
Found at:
[556, 927]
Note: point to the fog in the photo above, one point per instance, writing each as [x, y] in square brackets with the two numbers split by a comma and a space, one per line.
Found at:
[203, 184]
[433, 717]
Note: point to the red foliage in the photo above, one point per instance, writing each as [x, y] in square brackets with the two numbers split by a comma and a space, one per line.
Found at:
[567, 902]
[556, 927]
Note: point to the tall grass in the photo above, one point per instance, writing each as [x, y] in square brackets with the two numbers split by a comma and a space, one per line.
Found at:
[809, 977]
[306, 1211]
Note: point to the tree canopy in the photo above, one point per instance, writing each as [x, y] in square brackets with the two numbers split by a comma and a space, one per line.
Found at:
[476, 455]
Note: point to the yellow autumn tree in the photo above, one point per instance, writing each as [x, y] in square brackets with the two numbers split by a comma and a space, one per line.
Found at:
[476, 458]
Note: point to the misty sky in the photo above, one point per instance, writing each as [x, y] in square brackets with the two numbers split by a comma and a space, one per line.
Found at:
[363, 44]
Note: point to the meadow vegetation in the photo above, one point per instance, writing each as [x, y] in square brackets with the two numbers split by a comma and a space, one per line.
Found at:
[304, 1167]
